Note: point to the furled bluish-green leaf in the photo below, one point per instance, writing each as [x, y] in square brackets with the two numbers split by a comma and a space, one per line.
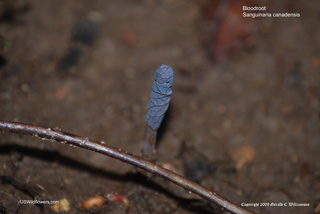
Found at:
[160, 96]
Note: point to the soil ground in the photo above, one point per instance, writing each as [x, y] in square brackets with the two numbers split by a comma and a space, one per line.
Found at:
[247, 128]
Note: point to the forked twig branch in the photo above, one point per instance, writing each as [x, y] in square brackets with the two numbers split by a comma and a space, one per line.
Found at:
[70, 139]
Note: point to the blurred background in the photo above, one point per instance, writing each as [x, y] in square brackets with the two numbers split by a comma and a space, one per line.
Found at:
[244, 113]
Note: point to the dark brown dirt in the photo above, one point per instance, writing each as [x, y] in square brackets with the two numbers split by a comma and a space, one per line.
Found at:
[248, 128]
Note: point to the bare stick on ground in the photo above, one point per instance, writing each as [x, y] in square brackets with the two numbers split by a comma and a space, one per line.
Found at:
[70, 139]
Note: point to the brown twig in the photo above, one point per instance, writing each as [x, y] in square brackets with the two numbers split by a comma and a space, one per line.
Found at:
[74, 140]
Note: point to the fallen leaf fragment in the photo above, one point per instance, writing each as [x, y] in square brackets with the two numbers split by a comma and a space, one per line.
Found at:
[113, 197]
[242, 155]
[62, 206]
[100, 200]
[317, 209]
[233, 32]
[130, 38]
[94, 202]
[62, 91]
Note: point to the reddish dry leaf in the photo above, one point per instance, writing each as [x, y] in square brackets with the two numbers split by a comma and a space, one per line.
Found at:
[130, 38]
[116, 197]
[62, 91]
[233, 32]
[315, 62]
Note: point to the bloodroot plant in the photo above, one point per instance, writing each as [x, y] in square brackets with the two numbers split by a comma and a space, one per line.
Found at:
[160, 97]
[158, 105]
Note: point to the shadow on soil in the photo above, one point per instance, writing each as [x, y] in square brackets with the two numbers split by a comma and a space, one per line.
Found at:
[193, 205]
